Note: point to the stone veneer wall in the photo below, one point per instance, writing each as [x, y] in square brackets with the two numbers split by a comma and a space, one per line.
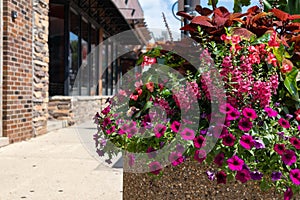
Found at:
[75, 109]
[41, 66]
[17, 70]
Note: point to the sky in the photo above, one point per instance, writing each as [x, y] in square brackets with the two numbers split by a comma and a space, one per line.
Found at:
[153, 13]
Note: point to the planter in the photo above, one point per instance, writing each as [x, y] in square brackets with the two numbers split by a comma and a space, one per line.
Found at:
[189, 181]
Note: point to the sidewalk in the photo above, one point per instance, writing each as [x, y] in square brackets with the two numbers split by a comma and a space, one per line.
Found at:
[57, 166]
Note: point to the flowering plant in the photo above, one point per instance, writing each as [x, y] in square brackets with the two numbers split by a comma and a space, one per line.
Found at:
[259, 136]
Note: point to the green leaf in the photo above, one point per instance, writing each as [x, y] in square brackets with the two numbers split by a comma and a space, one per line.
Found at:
[291, 84]
[263, 39]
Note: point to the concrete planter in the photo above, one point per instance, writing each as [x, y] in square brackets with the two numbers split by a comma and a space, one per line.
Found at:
[189, 181]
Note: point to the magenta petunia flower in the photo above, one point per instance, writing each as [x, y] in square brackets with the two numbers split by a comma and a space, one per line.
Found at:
[226, 108]
[155, 167]
[295, 176]
[187, 134]
[221, 177]
[235, 163]
[176, 158]
[271, 112]
[106, 110]
[233, 115]
[111, 130]
[288, 194]
[289, 157]
[151, 152]
[243, 176]
[106, 122]
[295, 142]
[159, 130]
[247, 142]
[249, 113]
[228, 140]
[279, 148]
[200, 155]
[245, 124]
[175, 126]
[199, 141]
[131, 160]
[219, 159]
[284, 123]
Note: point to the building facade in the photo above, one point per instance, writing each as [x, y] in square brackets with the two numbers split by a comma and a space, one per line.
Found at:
[48, 59]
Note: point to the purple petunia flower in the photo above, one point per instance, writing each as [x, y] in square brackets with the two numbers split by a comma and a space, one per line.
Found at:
[289, 157]
[210, 175]
[289, 116]
[295, 176]
[219, 159]
[100, 152]
[259, 144]
[247, 142]
[276, 176]
[249, 113]
[180, 148]
[106, 122]
[203, 132]
[228, 140]
[245, 124]
[159, 130]
[175, 126]
[235, 163]
[199, 141]
[271, 112]
[155, 167]
[200, 155]
[187, 134]
[256, 175]
[284, 123]
[221, 177]
[243, 176]
[106, 110]
[288, 194]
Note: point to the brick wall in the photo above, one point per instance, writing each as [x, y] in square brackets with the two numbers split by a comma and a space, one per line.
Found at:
[17, 70]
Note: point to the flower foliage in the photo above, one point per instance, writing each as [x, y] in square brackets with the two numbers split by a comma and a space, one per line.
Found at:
[259, 139]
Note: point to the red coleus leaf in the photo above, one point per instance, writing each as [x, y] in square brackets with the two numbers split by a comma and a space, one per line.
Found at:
[219, 20]
[253, 10]
[202, 21]
[293, 17]
[222, 12]
[185, 15]
[242, 32]
[284, 41]
[283, 16]
[188, 28]
[203, 11]
[255, 18]
[292, 27]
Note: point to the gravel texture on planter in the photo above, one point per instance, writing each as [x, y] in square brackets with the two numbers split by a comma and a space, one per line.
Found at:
[189, 181]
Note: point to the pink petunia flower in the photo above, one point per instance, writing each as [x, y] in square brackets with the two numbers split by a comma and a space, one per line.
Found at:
[187, 134]
[221, 177]
[155, 167]
[249, 113]
[175, 126]
[295, 176]
[279, 148]
[247, 142]
[288, 194]
[235, 163]
[289, 157]
[199, 141]
[295, 142]
[176, 158]
[159, 130]
[200, 155]
[243, 176]
[271, 112]
[245, 124]
[284, 123]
